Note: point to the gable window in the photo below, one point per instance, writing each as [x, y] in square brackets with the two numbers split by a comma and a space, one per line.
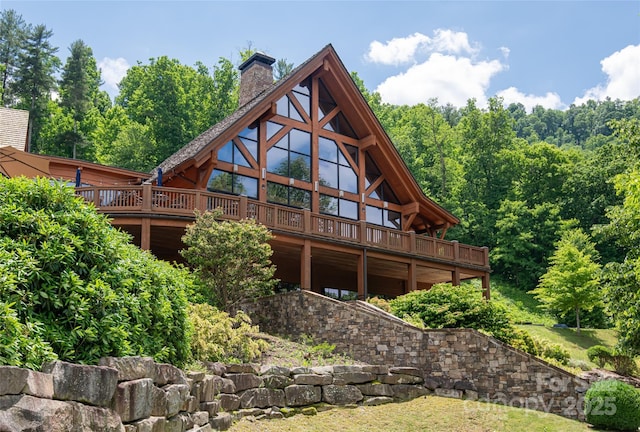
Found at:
[233, 183]
[335, 170]
[291, 156]
[338, 207]
[288, 195]
[384, 217]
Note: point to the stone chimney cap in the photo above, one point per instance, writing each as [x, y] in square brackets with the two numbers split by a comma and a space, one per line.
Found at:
[257, 57]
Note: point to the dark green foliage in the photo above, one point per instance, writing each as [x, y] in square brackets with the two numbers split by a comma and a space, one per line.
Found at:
[75, 284]
[613, 405]
[446, 306]
[550, 350]
[600, 355]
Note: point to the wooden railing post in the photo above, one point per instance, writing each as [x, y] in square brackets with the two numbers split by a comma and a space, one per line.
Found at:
[456, 251]
[96, 197]
[485, 250]
[147, 192]
[363, 232]
[412, 241]
[243, 204]
[306, 228]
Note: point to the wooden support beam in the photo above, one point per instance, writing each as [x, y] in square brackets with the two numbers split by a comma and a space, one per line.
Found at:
[366, 142]
[486, 287]
[361, 277]
[305, 266]
[455, 277]
[412, 283]
[145, 234]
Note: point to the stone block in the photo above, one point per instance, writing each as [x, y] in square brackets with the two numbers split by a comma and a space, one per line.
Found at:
[406, 371]
[158, 402]
[168, 374]
[464, 385]
[93, 385]
[450, 393]
[210, 387]
[176, 395]
[322, 370]
[299, 395]
[133, 400]
[408, 392]
[39, 385]
[300, 370]
[377, 400]
[221, 422]
[341, 395]
[212, 407]
[471, 395]
[196, 376]
[400, 379]
[12, 380]
[130, 368]
[151, 424]
[24, 412]
[375, 389]
[313, 379]
[244, 381]
[262, 398]
[203, 428]
[353, 377]
[243, 368]
[216, 368]
[229, 402]
[274, 370]
[200, 418]
[178, 423]
[276, 381]
[228, 386]
[376, 369]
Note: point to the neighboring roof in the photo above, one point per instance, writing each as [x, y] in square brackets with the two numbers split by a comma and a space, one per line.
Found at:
[14, 125]
[190, 153]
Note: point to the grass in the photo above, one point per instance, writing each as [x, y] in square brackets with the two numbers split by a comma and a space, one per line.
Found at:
[521, 306]
[428, 413]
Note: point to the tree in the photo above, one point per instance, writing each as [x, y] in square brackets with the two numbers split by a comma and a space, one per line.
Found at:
[283, 68]
[35, 78]
[79, 86]
[231, 259]
[12, 33]
[571, 282]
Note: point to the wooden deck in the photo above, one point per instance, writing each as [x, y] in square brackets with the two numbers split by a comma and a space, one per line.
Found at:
[171, 202]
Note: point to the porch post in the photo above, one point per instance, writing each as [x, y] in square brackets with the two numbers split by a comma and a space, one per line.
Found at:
[412, 283]
[486, 287]
[145, 234]
[305, 266]
[455, 277]
[362, 275]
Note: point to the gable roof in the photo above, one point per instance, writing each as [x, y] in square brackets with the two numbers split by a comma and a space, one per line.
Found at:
[327, 61]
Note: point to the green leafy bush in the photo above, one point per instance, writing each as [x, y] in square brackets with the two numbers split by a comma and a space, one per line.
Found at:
[380, 303]
[78, 286]
[549, 350]
[612, 404]
[446, 306]
[220, 337]
[600, 355]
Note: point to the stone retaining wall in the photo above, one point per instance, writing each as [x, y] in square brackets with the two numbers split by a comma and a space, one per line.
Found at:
[452, 360]
[134, 394]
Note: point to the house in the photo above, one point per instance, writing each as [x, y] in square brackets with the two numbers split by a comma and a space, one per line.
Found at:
[306, 157]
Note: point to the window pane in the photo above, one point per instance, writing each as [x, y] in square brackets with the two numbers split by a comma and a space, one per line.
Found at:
[374, 215]
[348, 180]
[302, 88]
[283, 106]
[300, 141]
[300, 167]
[328, 173]
[353, 152]
[220, 181]
[299, 198]
[328, 204]
[245, 186]
[251, 133]
[349, 209]
[238, 157]
[225, 154]
[272, 129]
[277, 193]
[304, 101]
[252, 147]
[392, 219]
[278, 161]
[328, 149]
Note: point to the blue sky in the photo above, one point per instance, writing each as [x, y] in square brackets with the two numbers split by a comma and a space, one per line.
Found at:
[551, 53]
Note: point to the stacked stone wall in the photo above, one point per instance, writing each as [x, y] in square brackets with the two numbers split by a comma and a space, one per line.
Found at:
[134, 394]
[452, 360]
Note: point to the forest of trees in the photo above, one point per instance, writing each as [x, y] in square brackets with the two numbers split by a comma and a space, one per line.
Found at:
[517, 180]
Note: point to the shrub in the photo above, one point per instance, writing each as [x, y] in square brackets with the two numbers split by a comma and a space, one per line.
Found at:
[612, 404]
[446, 306]
[623, 364]
[78, 286]
[550, 350]
[523, 341]
[380, 303]
[220, 337]
[600, 355]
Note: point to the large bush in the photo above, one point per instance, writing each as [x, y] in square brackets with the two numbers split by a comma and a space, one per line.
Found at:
[72, 284]
[446, 306]
[612, 404]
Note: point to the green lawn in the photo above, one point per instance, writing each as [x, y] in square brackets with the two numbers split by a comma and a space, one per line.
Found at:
[429, 413]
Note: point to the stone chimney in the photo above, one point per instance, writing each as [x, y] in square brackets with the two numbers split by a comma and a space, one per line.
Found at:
[256, 75]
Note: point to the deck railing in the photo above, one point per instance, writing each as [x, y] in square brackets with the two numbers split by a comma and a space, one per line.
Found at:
[183, 202]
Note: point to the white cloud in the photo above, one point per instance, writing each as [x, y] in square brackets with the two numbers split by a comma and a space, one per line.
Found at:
[397, 50]
[623, 77]
[548, 101]
[113, 70]
[448, 78]
[403, 50]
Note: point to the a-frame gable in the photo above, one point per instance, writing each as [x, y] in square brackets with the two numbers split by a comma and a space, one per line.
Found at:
[311, 141]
